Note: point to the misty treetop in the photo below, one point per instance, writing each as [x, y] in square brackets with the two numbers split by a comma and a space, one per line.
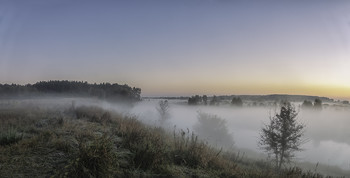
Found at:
[203, 100]
[308, 104]
[237, 101]
[318, 104]
[194, 100]
[163, 111]
[72, 88]
[213, 130]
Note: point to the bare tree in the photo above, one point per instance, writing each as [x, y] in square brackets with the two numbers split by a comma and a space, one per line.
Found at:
[163, 110]
[282, 136]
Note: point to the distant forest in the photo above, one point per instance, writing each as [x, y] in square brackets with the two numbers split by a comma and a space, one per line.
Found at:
[71, 88]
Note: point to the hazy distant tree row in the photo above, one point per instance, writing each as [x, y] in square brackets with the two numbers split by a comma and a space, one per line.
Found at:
[194, 100]
[259, 98]
[257, 101]
[236, 101]
[71, 88]
[203, 100]
[308, 104]
[214, 100]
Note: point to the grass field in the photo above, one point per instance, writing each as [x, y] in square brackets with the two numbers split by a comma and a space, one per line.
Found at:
[93, 142]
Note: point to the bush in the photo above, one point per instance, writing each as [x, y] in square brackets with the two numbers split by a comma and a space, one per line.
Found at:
[213, 129]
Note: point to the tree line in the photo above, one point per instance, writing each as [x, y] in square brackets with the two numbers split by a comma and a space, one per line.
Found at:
[214, 100]
[203, 100]
[71, 88]
[309, 105]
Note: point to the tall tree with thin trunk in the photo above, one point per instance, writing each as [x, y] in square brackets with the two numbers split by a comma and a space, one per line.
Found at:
[282, 136]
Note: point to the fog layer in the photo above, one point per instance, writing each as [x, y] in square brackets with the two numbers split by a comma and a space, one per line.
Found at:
[327, 130]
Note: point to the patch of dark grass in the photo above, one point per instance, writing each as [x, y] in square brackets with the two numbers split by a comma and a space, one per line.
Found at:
[298, 172]
[10, 136]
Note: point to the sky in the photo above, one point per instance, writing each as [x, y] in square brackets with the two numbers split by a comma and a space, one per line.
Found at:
[181, 47]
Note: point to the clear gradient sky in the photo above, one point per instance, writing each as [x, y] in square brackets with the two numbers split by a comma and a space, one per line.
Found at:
[180, 47]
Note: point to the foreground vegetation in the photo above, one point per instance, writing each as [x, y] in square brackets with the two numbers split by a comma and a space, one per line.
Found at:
[92, 142]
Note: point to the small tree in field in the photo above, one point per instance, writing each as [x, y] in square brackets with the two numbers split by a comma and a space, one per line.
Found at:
[213, 130]
[163, 110]
[282, 136]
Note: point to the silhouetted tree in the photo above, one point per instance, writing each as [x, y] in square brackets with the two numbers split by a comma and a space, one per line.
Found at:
[237, 101]
[318, 104]
[194, 100]
[136, 93]
[307, 104]
[205, 99]
[345, 102]
[163, 110]
[282, 136]
[214, 101]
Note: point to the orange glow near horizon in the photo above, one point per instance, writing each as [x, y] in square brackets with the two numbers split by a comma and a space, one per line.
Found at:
[335, 92]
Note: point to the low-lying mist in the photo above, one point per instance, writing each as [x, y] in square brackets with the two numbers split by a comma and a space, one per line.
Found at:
[327, 130]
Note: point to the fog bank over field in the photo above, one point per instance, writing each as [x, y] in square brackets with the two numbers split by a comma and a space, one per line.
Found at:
[326, 130]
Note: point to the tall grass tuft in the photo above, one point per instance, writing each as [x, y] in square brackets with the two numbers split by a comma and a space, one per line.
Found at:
[93, 114]
[94, 159]
[10, 136]
[147, 145]
[190, 151]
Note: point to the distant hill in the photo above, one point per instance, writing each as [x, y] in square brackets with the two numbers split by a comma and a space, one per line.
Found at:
[71, 88]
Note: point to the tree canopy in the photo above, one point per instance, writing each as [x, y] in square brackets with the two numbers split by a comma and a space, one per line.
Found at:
[72, 88]
[282, 136]
[237, 101]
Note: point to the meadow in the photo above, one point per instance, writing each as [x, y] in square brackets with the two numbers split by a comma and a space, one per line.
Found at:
[70, 139]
